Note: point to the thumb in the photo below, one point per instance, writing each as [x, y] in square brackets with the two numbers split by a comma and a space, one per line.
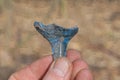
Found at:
[59, 70]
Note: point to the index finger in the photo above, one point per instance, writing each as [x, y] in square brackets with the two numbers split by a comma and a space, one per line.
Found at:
[73, 55]
[34, 71]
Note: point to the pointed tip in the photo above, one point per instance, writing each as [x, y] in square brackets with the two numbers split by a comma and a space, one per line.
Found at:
[36, 24]
[75, 29]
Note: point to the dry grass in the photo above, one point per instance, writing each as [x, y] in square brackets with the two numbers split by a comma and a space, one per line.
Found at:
[98, 39]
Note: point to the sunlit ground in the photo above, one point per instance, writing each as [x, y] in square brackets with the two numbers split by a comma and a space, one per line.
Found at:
[98, 38]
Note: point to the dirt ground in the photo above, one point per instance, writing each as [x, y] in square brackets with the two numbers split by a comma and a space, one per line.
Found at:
[98, 38]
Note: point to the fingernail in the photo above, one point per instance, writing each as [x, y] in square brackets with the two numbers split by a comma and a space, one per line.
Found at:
[61, 67]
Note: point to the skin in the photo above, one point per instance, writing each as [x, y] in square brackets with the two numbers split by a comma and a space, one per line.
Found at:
[74, 68]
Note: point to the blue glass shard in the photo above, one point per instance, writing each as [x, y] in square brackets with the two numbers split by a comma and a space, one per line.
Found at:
[57, 36]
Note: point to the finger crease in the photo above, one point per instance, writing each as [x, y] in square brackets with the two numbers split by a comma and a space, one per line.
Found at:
[14, 76]
[32, 72]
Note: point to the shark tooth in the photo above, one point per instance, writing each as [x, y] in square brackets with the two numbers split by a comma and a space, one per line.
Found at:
[57, 36]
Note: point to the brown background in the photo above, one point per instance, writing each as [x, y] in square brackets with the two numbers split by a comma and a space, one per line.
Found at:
[98, 38]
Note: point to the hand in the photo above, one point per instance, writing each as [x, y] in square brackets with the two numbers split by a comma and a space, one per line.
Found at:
[70, 68]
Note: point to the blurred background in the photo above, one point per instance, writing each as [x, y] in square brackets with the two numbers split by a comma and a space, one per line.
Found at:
[98, 38]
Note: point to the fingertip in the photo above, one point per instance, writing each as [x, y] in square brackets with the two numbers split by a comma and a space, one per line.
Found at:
[84, 74]
[59, 70]
[78, 65]
[73, 55]
[62, 65]
[73, 50]
[40, 66]
[81, 64]
[12, 78]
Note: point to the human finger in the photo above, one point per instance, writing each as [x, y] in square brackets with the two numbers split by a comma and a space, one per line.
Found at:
[59, 70]
[73, 55]
[34, 71]
[84, 74]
